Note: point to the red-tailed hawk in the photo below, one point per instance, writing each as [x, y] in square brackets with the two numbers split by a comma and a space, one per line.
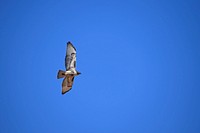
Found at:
[70, 65]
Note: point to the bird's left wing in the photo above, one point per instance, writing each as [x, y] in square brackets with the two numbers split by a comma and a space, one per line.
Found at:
[70, 58]
[67, 83]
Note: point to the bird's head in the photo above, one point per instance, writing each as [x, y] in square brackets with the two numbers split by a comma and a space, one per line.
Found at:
[78, 73]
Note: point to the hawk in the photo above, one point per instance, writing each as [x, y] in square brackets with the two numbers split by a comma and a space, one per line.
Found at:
[70, 65]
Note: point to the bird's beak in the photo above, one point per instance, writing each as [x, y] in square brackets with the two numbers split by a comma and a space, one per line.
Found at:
[78, 73]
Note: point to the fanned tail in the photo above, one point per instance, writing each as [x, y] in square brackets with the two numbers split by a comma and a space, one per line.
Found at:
[61, 74]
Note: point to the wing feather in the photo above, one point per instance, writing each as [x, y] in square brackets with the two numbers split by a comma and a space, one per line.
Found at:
[70, 58]
[67, 83]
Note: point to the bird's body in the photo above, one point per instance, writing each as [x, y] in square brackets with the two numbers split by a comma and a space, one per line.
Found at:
[71, 72]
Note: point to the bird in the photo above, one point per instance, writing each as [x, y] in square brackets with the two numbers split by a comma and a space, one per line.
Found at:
[70, 65]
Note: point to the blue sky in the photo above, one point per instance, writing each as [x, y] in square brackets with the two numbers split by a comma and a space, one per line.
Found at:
[139, 61]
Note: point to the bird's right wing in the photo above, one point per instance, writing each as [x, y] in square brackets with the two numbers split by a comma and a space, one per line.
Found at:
[70, 58]
[67, 83]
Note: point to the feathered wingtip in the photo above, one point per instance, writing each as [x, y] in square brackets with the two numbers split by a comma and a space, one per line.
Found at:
[69, 43]
[63, 92]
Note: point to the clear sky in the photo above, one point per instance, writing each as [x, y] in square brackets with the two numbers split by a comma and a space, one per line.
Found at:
[139, 59]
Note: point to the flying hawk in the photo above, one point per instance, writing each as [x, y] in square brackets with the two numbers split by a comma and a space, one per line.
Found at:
[70, 65]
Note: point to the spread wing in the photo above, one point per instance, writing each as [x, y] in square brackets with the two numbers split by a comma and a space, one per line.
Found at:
[67, 83]
[70, 58]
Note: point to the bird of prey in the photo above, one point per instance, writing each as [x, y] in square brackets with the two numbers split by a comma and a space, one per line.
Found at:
[70, 65]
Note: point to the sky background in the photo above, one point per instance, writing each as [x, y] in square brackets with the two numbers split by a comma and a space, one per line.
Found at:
[139, 61]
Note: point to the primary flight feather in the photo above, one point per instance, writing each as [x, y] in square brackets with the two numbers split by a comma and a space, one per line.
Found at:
[70, 65]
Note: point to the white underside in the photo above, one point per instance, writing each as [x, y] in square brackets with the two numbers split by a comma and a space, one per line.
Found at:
[71, 71]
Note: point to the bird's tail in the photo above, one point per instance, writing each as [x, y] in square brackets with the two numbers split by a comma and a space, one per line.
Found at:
[60, 74]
